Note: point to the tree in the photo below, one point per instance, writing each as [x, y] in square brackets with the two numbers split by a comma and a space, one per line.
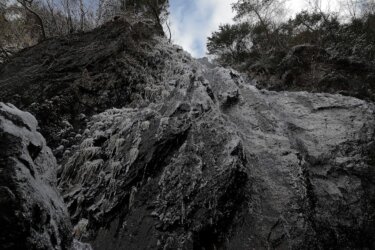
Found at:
[263, 11]
[263, 15]
[358, 8]
[230, 42]
[156, 9]
[27, 4]
[3, 23]
[35, 20]
[260, 39]
[368, 7]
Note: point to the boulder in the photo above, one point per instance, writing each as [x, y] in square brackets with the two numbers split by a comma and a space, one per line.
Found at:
[32, 213]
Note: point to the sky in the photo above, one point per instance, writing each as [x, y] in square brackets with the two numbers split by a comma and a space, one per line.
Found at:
[192, 21]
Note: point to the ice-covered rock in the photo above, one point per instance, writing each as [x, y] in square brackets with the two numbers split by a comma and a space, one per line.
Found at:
[219, 164]
[32, 213]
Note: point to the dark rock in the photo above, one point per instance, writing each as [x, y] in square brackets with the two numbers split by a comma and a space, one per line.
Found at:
[32, 214]
[83, 74]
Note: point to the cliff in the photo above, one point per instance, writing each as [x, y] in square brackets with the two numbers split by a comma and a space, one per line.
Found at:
[158, 150]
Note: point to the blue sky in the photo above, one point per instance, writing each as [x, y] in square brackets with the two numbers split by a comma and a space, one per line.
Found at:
[192, 21]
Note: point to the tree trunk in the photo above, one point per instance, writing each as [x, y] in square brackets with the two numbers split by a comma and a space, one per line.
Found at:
[263, 24]
[169, 30]
[82, 10]
[69, 18]
[38, 18]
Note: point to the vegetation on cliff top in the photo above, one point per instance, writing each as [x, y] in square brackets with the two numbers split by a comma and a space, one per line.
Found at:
[316, 50]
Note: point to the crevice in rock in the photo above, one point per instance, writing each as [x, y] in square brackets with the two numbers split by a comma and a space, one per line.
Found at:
[230, 200]
[27, 165]
[34, 150]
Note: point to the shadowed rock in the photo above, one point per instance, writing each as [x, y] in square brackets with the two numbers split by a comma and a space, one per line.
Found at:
[32, 214]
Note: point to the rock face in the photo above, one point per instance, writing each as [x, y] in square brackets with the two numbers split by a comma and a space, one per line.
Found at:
[63, 81]
[218, 164]
[32, 213]
[176, 153]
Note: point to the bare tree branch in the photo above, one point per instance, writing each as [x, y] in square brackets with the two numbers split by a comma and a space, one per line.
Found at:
[169, 31]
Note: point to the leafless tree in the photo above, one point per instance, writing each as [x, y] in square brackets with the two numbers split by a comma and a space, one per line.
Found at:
[82, 14]
[167, 24]
[27, 4]
[266, 12]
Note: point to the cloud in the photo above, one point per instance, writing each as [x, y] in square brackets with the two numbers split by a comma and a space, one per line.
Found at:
[193, 21]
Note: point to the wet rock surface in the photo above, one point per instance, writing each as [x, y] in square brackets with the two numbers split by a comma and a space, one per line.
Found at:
[32, 213]
[195, 157]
